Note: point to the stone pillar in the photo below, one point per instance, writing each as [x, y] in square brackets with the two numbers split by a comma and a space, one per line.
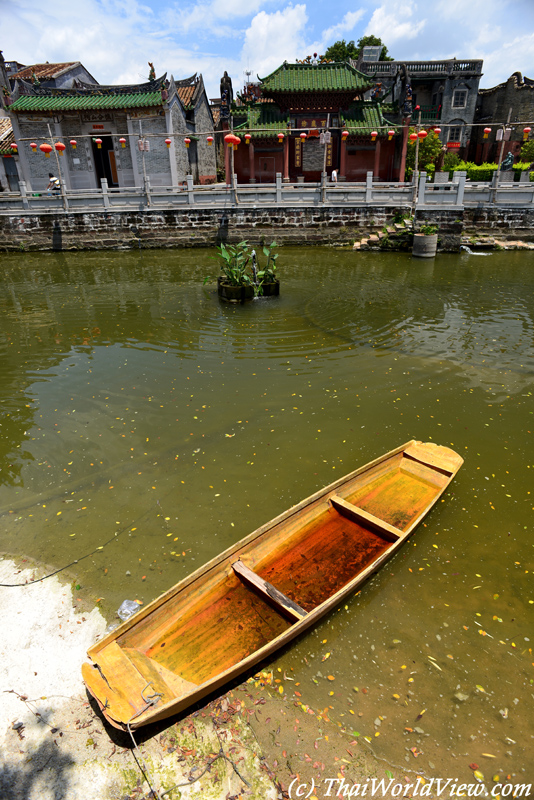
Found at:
[402, 168]
[172, 149]
[278, 187]
[461, 189]
[422, 189]
[376, 167]
[133, 137]
[227, 164]
[286, 159]
[343, 160]
[190, 190]
[252, 176]
[369, 188]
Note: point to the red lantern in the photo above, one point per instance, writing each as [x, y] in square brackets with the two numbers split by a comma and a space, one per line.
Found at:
[168, 142]
[303, 137]
[73, 143]
[187, 141]
[391, 134]
[344, 135]
[33, 146]
[122, 140]
[526, 132]
[209, 140]
[374, 134]
[98, 143]
[280, 138]
[437, 131]
[46, 149]
[229, 139]
[235, 141]
[248, 137]
[422, 135]
[60, 147]
[14, 148]
[418, 108]
[487, 132]
[413, 137]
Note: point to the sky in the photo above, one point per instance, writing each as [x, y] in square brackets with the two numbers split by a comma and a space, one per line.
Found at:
[115, 39]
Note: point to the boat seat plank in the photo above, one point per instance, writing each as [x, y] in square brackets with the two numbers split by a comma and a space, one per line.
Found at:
[164, 681]
[384, 529]
[441, 459]
[270, 592]
[116, 707]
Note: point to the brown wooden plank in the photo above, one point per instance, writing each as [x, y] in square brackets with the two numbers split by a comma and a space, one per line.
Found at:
[351, 511]
[270, 592]
[437, 457]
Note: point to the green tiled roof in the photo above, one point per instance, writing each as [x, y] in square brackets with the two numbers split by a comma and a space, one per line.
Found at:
[262, 122]
[334, 77]
[363, 118]
[80, 102]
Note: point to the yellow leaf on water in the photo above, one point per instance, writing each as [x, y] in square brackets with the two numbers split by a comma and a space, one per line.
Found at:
[326, 655]
[281, 689]
[480, 688]
[478, 775]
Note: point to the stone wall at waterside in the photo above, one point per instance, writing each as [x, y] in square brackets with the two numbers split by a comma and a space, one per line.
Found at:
[207, 227]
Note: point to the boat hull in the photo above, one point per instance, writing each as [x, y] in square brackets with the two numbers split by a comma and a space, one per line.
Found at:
[266, 589]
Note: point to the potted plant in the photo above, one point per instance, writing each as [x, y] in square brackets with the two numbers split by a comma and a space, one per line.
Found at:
[235, 283]
[268, 283]
[242, 277]
[425, 241]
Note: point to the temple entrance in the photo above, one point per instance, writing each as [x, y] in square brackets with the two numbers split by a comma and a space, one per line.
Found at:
[266, 172]
[12, 175]
[104, 159]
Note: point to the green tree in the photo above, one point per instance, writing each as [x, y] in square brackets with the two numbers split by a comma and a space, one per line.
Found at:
[342, 50]
[527, 151]
[429, 150]
[366, 41]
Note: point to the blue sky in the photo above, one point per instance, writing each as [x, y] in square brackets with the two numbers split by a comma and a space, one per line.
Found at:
[115, 39]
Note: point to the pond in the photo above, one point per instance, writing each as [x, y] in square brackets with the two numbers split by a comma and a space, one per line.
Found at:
[149, 425]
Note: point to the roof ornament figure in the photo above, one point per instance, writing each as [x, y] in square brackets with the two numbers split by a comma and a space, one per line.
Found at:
[35, 80]
[152, 73]
[226, 86]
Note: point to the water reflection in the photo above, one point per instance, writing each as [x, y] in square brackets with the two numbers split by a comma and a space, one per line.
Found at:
[138, 409]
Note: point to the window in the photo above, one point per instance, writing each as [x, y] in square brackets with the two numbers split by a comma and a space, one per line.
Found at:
[455, 134]
[459, 98]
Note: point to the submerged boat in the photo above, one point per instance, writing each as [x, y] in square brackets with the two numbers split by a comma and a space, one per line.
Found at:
[266, 589]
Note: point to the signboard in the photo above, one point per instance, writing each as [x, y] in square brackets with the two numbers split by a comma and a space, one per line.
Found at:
[454, 144]
[298, 152]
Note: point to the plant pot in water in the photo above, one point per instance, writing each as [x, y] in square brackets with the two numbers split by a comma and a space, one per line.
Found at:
[424, 245]
[234, 294]
[271, 289]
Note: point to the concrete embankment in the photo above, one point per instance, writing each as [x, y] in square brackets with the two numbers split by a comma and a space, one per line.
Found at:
[328, 225]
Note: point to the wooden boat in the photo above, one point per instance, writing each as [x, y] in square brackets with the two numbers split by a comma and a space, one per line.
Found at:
[266, 589]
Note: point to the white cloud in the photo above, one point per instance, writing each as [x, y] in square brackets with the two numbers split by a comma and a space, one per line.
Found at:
[347, 24]
[395, 20]
[274, 38]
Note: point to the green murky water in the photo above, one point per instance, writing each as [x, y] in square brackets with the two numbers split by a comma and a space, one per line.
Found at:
[136, 408]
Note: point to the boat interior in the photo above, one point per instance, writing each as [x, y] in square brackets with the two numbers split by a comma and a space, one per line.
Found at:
[256, 593]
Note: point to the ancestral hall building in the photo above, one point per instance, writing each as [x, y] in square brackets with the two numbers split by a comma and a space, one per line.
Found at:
[123, 134]
[306, 118]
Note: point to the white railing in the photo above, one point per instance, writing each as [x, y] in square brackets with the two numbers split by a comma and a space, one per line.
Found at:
[456, 193]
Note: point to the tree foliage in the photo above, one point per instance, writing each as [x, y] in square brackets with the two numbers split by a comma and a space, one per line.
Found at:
[342, 50]
[527, 151]
[429, 150]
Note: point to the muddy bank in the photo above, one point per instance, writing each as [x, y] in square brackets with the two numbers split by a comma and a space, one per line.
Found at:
[254, 741]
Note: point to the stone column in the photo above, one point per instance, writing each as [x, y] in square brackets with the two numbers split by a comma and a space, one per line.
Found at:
[402, 168]
[343, 161]
[376, 167]
[172, 149]
[286, 159]
[133, 137]
[252, 176]
[227, 164]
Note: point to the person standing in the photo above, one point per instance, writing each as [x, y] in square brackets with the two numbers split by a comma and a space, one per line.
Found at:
[54, 186]
[334, 176]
